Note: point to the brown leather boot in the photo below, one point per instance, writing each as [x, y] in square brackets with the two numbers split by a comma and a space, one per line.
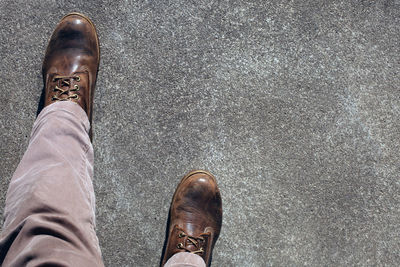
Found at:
[196, 216]
[71, 62]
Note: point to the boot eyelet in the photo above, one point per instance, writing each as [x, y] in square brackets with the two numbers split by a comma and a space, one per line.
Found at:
[180, 245]
[78, 78]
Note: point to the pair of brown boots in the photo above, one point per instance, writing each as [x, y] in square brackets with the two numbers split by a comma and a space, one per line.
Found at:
[69, 73]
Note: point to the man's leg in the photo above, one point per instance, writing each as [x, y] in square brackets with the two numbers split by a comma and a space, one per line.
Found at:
[49, 213]
[50, 206]
[195, 223]
[185, 259]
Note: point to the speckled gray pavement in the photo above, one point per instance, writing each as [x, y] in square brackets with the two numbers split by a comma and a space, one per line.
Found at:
[293, 105]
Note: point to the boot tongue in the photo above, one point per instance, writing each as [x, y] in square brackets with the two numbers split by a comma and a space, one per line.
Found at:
[194, 229]
[194, 243]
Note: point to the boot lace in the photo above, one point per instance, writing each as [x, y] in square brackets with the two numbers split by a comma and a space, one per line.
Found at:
[64, 87]
[191, 240]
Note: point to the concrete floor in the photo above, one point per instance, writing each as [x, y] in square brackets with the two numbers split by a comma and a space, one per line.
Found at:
[293, 105]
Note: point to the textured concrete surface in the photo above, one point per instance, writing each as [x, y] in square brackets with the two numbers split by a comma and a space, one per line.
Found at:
[293, 105]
